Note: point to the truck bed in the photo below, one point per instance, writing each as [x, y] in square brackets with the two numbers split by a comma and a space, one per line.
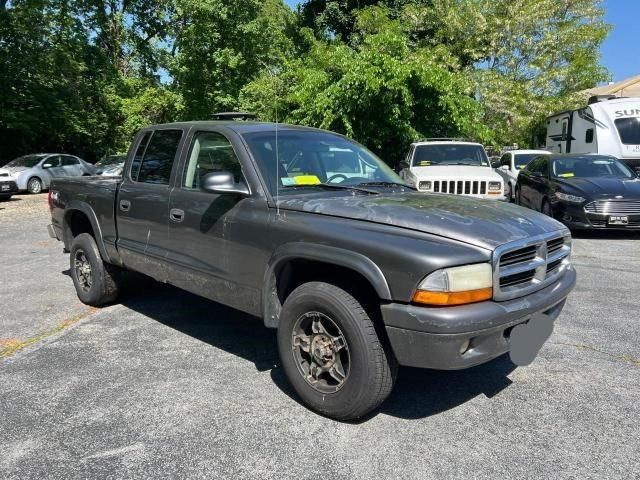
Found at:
[95, 196]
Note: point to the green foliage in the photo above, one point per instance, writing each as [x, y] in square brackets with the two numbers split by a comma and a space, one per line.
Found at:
[379, 91]
[83, 76]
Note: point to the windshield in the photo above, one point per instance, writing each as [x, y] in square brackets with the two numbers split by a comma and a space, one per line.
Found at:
[629, 130]
[26, 161]
[307, 158]
[111, 160]
[590, 167]
[450, 154]
[522, 159]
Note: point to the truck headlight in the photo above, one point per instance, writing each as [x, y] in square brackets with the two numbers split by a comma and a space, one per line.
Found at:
[456, 286]
[495, 188]
[424, 185]
[569, 198]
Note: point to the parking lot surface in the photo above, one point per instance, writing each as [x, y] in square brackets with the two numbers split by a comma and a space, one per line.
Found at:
[168, 385]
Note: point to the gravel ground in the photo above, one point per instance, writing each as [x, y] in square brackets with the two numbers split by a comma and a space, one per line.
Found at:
[168, 385]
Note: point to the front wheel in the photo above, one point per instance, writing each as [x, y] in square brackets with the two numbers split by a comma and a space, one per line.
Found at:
[34, 185]
[96, 282]
[331, 353]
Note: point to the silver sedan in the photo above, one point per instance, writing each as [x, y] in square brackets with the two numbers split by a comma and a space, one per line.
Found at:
[33, 173]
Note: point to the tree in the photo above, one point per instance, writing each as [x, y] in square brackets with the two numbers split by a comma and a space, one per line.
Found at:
[221, 45]
[379, 91]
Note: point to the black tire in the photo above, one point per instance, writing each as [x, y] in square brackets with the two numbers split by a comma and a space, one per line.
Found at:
[518, 196]
[371, 367]
[34, 185]
[5, 198]
[99, 284]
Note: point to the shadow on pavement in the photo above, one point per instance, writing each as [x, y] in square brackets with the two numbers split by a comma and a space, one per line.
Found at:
[418, 393]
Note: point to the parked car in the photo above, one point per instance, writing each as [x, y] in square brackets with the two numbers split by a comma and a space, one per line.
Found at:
[510, 164]
[8, 186]
[34, 173]
[111, 165]
[357, 273]
[582, 190]
[453, 167]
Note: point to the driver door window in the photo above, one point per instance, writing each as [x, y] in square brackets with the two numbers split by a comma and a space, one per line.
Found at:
[210, 152]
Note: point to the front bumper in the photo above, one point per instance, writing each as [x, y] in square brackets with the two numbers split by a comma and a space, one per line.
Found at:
[575, 217]
[8, 187]
[433, 337]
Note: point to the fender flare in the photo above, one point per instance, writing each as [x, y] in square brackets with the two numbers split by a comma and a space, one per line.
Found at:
[77, 206]
[321, 253]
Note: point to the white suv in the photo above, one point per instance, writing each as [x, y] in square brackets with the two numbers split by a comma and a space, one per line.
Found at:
[451, 166]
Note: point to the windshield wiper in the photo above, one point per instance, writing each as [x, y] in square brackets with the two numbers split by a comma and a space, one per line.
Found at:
[334, 186]
[386, 184]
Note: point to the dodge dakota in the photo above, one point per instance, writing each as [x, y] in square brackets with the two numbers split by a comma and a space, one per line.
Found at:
[311, 232]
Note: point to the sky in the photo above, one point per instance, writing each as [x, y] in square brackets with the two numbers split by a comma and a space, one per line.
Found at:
[620, 53]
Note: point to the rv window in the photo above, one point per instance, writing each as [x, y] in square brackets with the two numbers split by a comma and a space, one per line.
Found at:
[629, 130]
[564, 129]
[588, 137]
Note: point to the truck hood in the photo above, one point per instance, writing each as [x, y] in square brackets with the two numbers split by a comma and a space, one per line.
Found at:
[455, 172]
[484, 223]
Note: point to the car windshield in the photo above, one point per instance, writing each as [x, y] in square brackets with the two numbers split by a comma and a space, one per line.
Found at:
[26, 161]
[305, 159]
[450, 154]
[522, 159]
[629, 130]
[111, 160]
[590, 167]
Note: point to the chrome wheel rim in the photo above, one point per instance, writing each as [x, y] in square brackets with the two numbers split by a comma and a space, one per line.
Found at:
[321, 352]
[82, 268]
[34, 186]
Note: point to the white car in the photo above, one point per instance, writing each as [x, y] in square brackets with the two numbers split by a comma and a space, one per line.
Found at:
[451, 166]
[510, 165]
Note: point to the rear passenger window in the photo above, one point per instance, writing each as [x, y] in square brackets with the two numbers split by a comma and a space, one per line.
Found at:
[159, 156]
[137, 160]
[67, 161]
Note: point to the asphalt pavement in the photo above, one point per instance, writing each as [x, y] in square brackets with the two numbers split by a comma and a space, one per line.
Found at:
[169, 385]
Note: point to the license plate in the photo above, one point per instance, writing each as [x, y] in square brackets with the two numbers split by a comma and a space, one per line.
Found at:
[618, 220]
[4, 188]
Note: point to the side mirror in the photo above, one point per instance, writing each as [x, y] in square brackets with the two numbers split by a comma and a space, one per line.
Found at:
[223, 182]
[47, 165]
[495, 164]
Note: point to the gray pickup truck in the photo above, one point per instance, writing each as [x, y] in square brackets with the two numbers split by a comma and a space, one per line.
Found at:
[314, 234]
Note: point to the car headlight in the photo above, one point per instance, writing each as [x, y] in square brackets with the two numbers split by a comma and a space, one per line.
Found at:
[569, 198]
[456, 286]
[424, 185]
[495, 187]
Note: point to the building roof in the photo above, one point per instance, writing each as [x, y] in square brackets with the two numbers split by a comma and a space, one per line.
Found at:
[625, 88]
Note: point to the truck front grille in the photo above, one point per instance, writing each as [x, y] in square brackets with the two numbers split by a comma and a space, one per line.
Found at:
[521, 268]
[614, 207]
[460, 187]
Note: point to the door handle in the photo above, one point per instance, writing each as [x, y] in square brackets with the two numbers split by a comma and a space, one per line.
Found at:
[125, 205]
[176, 214]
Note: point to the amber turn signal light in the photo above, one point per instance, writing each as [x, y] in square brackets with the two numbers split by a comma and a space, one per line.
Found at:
[452, 298]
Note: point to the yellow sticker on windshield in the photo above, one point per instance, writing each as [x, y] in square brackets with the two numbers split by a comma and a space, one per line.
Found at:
[566, 175]
[307, 180]
[424, 163]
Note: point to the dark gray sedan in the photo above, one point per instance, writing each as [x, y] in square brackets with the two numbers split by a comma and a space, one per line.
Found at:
[33, 173]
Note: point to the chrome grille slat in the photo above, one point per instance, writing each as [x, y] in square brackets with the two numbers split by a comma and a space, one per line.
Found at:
[460, 187]
[524, 267]
[613, 207]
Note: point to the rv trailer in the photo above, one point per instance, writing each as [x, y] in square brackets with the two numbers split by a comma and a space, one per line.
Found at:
[607, 125]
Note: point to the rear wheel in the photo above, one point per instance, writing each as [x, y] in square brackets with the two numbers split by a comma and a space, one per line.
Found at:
[96, 281]
[34, 185]
[331, 353]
